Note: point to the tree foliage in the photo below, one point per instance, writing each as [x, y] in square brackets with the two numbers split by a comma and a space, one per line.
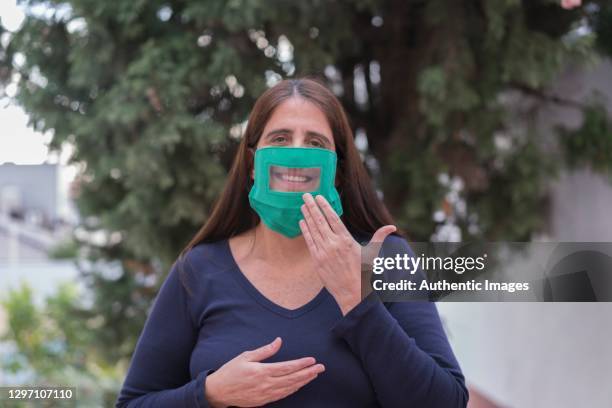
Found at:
[153, 94]
[57, 345]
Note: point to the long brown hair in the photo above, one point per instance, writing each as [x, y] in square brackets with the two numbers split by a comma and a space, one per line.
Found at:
[232, 214]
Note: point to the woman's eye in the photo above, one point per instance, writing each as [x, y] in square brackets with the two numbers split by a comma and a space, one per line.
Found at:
[279, 139]
[316, 143]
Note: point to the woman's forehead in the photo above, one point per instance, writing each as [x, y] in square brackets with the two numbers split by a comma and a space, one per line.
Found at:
[299, 113]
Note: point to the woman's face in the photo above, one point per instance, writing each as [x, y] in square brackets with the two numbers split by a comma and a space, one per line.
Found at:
[296, 123]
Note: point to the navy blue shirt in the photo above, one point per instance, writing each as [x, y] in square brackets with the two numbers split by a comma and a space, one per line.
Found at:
[377, 355]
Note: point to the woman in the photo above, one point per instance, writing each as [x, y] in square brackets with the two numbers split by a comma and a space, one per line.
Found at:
[265, 308]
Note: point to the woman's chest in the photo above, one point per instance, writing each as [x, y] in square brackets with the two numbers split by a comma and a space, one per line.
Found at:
[226, 333]
[288, 290]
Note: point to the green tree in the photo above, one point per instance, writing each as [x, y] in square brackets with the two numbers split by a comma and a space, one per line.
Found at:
[57, 346]
[152, 95]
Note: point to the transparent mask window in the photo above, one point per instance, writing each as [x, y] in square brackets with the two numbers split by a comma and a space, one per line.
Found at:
[295, 179]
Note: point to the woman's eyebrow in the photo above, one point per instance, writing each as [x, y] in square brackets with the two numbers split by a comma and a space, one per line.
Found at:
[278, 132]
[327, 141]
[309, 133]
[313, 133]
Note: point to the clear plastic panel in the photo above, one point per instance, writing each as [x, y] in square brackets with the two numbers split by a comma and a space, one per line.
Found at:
[295, 179]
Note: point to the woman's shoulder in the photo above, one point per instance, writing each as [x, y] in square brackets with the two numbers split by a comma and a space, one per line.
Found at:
[392, 240]
[205, 259]
[397, 241]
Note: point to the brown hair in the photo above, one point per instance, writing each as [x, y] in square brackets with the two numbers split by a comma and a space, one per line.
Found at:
[232, 214]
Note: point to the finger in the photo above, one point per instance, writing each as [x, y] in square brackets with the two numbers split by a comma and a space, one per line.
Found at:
[284, 391]
[317, 238]
[305, 374]
[288, 367]
[382, 233]
[316, 221]
[310, 242]
[332, 218]
[372, 249]
[263, 352]
[369, 252]
[318, 216]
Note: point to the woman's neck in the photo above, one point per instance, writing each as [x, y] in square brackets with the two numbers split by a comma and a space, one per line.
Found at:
[276, 248]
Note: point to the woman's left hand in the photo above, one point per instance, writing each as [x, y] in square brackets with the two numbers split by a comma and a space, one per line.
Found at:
[336, 254]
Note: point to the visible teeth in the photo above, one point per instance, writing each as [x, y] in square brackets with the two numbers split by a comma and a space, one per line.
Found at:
[294, 179]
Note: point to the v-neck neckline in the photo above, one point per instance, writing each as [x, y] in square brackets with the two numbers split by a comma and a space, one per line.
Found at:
[265, 301]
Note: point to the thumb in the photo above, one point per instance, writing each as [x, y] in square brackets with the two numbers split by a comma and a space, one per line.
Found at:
[380, 234]
[264, 352]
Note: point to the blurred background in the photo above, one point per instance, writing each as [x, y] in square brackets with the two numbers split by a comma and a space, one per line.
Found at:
[477, 119]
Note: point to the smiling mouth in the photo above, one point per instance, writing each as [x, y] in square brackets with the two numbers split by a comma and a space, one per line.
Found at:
[292, 178]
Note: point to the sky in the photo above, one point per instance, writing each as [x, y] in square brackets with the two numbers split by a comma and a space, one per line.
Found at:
[19, 143]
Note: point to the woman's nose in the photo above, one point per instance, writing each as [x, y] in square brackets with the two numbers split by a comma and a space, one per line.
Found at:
[298, 142]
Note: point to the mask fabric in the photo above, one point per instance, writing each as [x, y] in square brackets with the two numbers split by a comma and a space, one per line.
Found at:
[282, 176]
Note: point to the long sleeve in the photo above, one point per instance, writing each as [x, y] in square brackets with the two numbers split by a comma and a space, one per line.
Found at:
[159, 374]
[405, 352]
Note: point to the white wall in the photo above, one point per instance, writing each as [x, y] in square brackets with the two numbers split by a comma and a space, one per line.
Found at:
[548, 354]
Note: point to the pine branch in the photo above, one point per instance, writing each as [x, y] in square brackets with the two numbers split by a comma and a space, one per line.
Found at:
[547, 97]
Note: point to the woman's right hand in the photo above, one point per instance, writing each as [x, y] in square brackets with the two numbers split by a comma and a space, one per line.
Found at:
[246, 382]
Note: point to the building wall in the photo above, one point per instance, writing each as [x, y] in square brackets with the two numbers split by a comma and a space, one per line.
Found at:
[548, 354]
[37, 186]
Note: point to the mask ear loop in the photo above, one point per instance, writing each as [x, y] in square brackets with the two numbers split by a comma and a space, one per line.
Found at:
[249, 185]
[251, 168]
[339, 179]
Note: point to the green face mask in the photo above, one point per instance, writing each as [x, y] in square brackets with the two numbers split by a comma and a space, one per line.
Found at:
[282, 176]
